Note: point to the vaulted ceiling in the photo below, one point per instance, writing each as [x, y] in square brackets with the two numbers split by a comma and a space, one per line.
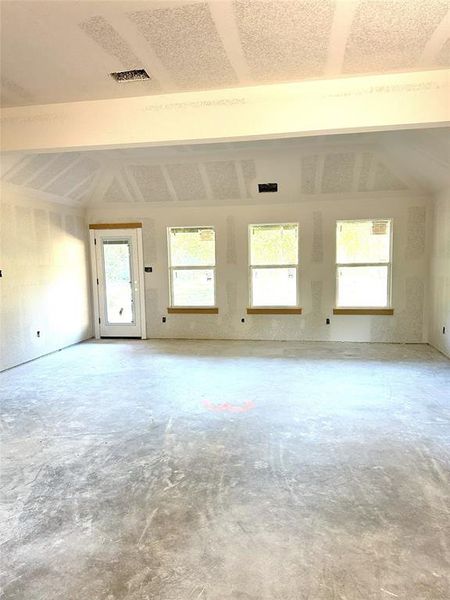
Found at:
[60, 51]
[323, 167]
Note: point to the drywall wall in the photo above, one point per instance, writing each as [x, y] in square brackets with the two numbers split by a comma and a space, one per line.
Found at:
[440, 274]
[45, 284]
[317, 220]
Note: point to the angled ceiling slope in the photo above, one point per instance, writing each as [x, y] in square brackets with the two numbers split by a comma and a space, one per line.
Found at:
[65, 50]
[360, 165]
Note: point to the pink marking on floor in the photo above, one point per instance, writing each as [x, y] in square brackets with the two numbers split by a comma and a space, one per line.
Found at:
[227, 407]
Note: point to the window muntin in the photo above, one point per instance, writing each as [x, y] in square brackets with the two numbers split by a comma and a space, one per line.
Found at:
[192, 266]
[273, 276]
[363, 263]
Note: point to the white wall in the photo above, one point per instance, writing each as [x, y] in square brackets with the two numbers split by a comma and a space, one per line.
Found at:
[440, 274]
[317, 221]
[45, 283]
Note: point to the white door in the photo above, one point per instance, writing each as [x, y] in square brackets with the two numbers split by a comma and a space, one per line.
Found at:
[118, 282]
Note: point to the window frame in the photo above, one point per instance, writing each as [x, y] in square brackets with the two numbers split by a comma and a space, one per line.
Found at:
[172, 268]
[279, 266]
[388, 264]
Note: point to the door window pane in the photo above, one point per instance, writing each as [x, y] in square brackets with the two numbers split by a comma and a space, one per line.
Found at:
[362, 286]
[118, 282]
[193, 287]
[274, 287]
[363, 241]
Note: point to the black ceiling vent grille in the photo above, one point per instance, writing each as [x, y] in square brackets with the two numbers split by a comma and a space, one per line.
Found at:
[132, 75]
[267, 187]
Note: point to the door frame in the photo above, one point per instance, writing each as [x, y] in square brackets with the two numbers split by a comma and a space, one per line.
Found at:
[137, 227]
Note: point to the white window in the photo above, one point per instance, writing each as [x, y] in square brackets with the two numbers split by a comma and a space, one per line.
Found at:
[192, 266]
[273, 269]
[363, 264]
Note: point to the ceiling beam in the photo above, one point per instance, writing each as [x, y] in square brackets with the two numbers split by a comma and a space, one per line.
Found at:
[319, 107]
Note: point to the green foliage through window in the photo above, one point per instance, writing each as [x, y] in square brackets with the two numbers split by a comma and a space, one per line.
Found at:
[274, 244]
[192, 246]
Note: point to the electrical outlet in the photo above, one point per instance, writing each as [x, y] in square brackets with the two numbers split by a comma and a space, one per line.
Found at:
[242, 320]
[327, 321]
[164, 319]
[443, 330]
[38, 334]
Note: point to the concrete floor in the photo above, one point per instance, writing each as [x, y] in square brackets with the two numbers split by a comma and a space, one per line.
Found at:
[186, 470]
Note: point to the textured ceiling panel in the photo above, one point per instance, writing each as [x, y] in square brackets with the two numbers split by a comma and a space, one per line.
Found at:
[150, 182]
[443, 58]
[79, 193]
[12, 93]
[385, 180]
[129, 188]
[81, 170]
[104, 34]
[28, 168]
[186, 41]
[284, 40]
[338, 173]
[223, 180]
[365, 171]
[391, 34]
[114, 192]
[309, 169]
[187, 181]
[249, 172]
[51, 171]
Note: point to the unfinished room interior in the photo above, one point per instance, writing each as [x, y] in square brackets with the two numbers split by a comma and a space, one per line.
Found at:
[225, 300]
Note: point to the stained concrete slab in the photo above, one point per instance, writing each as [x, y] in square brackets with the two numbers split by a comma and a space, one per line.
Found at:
[201, 470]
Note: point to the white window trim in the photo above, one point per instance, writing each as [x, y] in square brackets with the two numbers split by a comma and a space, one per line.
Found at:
[277, 266]
[368, 264]
[190, 268]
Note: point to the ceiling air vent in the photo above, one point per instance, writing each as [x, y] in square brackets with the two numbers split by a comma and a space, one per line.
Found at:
[133, 75]
[267, 187]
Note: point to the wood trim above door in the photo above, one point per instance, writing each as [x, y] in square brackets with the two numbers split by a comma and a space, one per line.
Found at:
[115, 226]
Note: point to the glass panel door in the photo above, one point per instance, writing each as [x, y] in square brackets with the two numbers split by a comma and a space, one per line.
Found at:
[118, 281]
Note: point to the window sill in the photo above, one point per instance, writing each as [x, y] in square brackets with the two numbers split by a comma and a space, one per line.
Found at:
[274, 311]
[192, 310]
[363, 311]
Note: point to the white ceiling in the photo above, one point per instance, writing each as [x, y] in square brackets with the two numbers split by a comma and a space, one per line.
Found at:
[60, 51]
[361, 165]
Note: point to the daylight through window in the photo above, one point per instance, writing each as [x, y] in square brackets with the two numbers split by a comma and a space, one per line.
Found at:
[363, 264]
[192, 266]
[273, 269]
